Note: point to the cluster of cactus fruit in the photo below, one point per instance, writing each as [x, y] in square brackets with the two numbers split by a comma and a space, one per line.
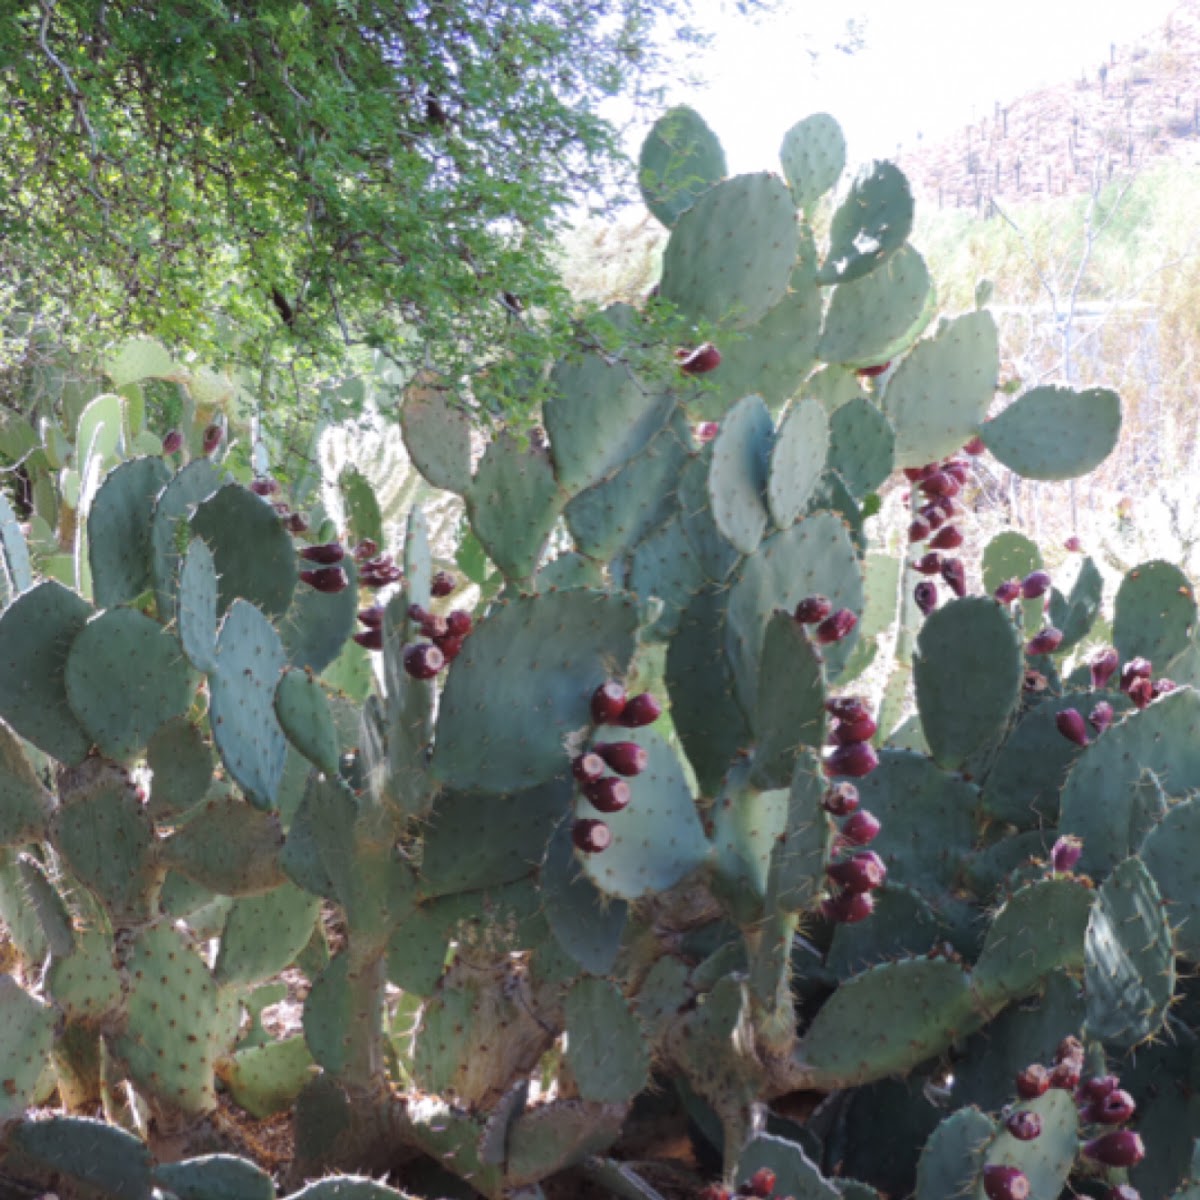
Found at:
[548, 976]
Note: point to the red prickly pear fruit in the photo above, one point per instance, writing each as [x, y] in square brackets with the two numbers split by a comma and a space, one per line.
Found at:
[706, 431]
[1101, 717]
[365, 549]
[590, 836]
[423, 660]
[1005, 1183]
[926, 597]
[1008, 591]
[327, 554]
[846, 708]
[856, 760]
[957, 468]
[1073, 544]
[846, 733]
[372, 617]
[912, 474]
[974, 447]
[1141, 692]
[932, 515]
[296, 523]
[762, 1183]
[1103, 665]
[370, 639]
[715, 1191]
[640, 710]
[443, 584]
[459, 623]
[928, 564]
[1066, 1075]
[264, 486]
[1071, 726]
[864, 872]
[939, 484]
[449, 645]
[609, 794]
[873, 372]
[1066, 853]
[1114, 1109]
[1033, 1082]
[588, 767]
[1045, 642]
[326, 579]
[700, 361]
[1161, 687]
[840, 799]
[949, 537]
[849, 908]
[812, 609]
[626, 758]
[1024, 1126]
[434, 627]
[1070, 1049]
[1035, 584]
[212, 439]
[608, 702]
[172, 441]
[836, 626]
[860, 828]
[955, 575]
[1134, 669]
[1097, 1087]
[948, 506]
[919, 530]
[417, 614]
[1123, 1191]
[1121, 1148]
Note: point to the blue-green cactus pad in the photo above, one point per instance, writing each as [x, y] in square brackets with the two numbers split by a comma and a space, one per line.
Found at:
[24, 802]
[267, 1079]
[797, 460]
[871, 224]
[85, 984]
[666, 568]
[228, 846]
[197, 606]
[318, 625]
[263, 934]
[861, 445]
[1009, 555]
[606, 1050]
[790, 709]
[16, 574]
[363, 516]
[195, 483]
[304, 716]
[215, 1177]
[737, 479]
[953, 1157]
[437, 435]
[812, 155]
[902, 926]
[26, 1038]
[796, 870]
[746, 824]
[795, 1175]
[118, 524]
[1170, 855]
[1154, 614]
[89, 1155]
[1075, 614]
[1048, 1159]
[181, 765]
[680, 160]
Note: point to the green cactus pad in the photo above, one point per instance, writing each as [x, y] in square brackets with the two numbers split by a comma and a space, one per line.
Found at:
[254, 555]
[658, 840]
[730, 256]
[881, 579]
[1048, 1159]
[586, 923]
[250, 661]
[47, 904]
[796, 870]
[790, 708]
[85, 984]
[88, 1156]
[304, 716]
[746, 825]
[437, 435]
[124, 653]
[419, 945]
[902, 926]
[263, 934]
[1169, 854]
[318, 625]
[363, 516]
[229, 847]
[347, 1187]
[181, 765]
[215, 1177]
[834, 386]
[940, 392]
[569, 570]
[336, 1030]
[36, 632]
[322, 826]
[1009, 555]
[870, 224]
[1075, 614]
[16, 575]
[1154, 614]
[118, 524]
[20, 919]
[872, 319]
[861, 445]
[1129, 971]
[797, 460]
[606, 1049]
[1040, 930]
[716, 556]
[24, 804]
[1055, 432]
[197, 606]
[680, 160]
[552, 1137]
[194, 484]
[737, 479]
[968, 670]
[795, 1175]
[599, 415]
[1112, 795]
[26, 1038]
[523, 681]
[812, 156]
[666, 568]
[886, 1020]
[267, 1079]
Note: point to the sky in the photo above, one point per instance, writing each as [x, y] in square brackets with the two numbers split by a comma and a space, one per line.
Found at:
[928, 66]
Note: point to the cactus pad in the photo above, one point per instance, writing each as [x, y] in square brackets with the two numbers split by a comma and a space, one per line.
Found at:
[737, 479]
[86, 1155]
[1049, 1158]
[24, 804]
[790, 708]
[871, 224]
[437, 435]
[215, 1177]
[861, 445]
[1169, 854]
[1154, 614]
[181, 764]
[229, 847]
[118, 524]
[606, 1049]
[305, 718]
[26, 1037]
[812, 156]
[263, 934]
[953, 1157]
[680, 160]
[797, 460]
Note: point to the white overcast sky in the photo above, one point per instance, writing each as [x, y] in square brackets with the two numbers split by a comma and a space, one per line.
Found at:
[929, 66]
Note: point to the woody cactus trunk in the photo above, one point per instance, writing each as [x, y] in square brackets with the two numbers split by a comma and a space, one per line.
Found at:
[622, 851]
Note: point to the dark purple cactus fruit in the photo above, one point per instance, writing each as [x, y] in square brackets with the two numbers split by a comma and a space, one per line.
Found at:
[1134, 669]
[449, 645]
[626, 758]
[706, 431]
[590, 836]
[846, 708]
[873, 372]
[1102, 666]
[329, 580]
[700, 361]
[1097, 1087]
[372, 617]
[587, 767]
[370, 639]
[840, 799]
[328, 553]
[955, 575]
[1071, 726]
[1033, 1082]
[379, 572]
[848, 908]
[296, 523]
[864, 872]
[1123, 1191]
[1065, 1076]
[1008, 591]
[939, 484]
[1114, 1109]
[716, 1191]
[423, 660]
[459, 623]
[1035, 584]
[1121, 1148]
[957, 468]
[1066, 853]
[172, 441]
[846, 733]
[212, 439]
[812, 609]
[609, 794]
[919, 529]
[442, 585]
[933, 515]
[836, 626]
[762, 1183]
[1070, 1049]
[1024, 1126]
[855, 760]
[640, 710]
[948, 505]
[926, 597]
[928, 564]
[1005, 1183]
[1045, 642]
[1073, 544]
[949, 537]
[860, 828]
[1101, 717]
[913, 474]
[365, 549]
[1141, 692]
[608, 702]
[974, 447]
[265, 486]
